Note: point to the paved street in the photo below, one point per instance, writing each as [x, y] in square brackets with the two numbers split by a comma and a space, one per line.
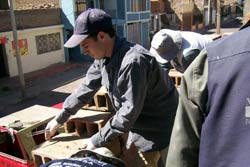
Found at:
[45, 87]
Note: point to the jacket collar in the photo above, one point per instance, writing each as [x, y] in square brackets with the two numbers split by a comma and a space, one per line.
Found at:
[116, 56]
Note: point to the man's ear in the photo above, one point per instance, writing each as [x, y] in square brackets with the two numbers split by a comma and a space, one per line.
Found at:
[101, 35]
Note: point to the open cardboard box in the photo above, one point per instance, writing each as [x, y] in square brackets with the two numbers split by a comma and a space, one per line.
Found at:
[17, 137]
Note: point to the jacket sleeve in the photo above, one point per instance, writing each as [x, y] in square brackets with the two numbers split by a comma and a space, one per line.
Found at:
[185, 138]
[131, 91]
[81, 96]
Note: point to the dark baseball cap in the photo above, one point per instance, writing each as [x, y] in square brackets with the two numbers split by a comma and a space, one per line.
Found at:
[88, 22]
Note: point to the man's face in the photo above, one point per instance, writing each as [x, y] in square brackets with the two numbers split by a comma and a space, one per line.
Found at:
[94, 48]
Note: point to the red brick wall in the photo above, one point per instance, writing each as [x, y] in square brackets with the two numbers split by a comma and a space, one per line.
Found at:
[158, 6]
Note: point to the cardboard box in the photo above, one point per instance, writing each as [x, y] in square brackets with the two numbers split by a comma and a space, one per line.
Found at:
[18, 134]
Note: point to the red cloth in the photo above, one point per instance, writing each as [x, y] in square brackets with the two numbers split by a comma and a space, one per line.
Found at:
[58, 106]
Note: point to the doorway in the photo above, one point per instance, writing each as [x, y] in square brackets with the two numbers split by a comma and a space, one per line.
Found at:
[3, 70]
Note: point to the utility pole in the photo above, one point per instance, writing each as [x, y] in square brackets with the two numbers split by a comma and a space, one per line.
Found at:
[209, 13]
[218, 17]
[18, 58]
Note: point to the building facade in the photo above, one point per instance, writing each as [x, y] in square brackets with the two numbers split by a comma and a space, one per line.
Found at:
[38, 49]
[131, 19]
[40, 39]
[191, 15]
[45, 25]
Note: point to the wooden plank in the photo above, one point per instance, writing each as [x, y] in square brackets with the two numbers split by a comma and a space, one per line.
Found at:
[90, 116]
[100, 101]
[61, 146]
[30, 116]
[87, 122]
[176, 76]
[64, 146]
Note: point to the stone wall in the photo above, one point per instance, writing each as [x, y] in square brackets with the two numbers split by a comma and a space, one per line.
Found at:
[26, 19]
[36, 4]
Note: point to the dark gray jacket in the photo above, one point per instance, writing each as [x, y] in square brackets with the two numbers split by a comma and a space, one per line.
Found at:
[145, 106]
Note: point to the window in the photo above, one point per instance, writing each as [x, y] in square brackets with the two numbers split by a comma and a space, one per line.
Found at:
[4, 5]
[80, 6]
[48, 43]
[110, 6]
[134, 32]
[138, 5]
[91, 4]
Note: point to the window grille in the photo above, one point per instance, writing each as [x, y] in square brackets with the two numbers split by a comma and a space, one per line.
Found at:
[138, 5]
[48, 43]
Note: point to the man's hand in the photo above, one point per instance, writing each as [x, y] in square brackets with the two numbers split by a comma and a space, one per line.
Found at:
[51, 129]
[87, 144]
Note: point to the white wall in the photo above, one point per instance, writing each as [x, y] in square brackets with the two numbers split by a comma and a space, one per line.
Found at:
[32, 61]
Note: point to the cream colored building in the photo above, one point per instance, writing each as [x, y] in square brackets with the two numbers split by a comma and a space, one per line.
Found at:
[39, 48]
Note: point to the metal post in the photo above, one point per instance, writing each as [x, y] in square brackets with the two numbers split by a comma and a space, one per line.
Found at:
[19, 62]
[209, 11]
[218, 19]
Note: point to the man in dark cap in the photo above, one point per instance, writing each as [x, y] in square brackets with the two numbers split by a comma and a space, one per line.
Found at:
[144, 105]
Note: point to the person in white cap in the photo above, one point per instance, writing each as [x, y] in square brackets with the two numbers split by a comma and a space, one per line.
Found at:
[144, 105]
[177, 49]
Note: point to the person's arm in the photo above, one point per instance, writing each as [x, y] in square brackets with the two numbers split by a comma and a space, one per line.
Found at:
[80, 97]
[185, 138]
[132, 88]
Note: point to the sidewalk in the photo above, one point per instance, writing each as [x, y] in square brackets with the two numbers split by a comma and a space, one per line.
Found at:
[39, 86]
[227, 26]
